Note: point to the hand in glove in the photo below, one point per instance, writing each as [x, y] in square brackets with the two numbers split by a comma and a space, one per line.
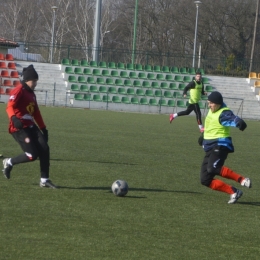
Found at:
[241, 124]
[17, 122]
[45, 134]
[200, 140]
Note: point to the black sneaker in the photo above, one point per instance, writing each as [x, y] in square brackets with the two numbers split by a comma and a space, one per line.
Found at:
[7, 168]
[48, 184]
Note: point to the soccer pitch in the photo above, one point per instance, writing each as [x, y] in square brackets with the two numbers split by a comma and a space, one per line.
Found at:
[167, 213]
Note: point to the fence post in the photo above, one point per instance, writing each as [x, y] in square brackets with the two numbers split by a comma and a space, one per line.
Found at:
[54, 90]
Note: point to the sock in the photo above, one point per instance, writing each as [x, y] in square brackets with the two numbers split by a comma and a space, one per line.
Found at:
[229, 174]
[43, 180]
[9, 161]
[221, 186]
[201, 126]
[175, 115]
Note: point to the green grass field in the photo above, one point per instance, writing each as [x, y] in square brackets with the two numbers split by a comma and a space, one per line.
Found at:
[167, 213]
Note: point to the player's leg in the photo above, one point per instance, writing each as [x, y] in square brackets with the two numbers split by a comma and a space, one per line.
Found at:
[25, 140]
[211, 166]
[198, 117]
[186, 112]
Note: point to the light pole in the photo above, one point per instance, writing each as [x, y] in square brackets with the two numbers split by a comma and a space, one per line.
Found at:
[197, 3]
[54, 8]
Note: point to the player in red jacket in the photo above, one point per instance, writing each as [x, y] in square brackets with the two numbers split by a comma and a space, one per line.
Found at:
[27, 127]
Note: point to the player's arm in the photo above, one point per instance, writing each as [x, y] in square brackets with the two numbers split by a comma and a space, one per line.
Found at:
[188, 87]
[227, 118]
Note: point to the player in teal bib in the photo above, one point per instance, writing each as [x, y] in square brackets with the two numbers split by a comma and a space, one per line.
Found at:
[217, 144]
[196, 89]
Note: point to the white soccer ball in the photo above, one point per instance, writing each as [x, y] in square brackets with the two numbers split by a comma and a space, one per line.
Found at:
[120, 188]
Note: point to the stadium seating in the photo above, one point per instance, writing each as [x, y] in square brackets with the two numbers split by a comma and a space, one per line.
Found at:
[9, 57]
[125, 100]
[84, 63]
[5, 74]
[116, 99]
[174, 70]
[121, 91]
[74, 62]
[93, 64]
[106, 98]
[111, 65]
[134, 100]
[171, 103]
[78, 71]
[3, 65]
[2, 56]
[153, 102]
[102, 64]
[181, 103]
[11, 65]
[84, 88]
[74, 87]
[144, 101]
[162, 102]
[146, 84]
[87, 97]
[102, 89]
[149, 93]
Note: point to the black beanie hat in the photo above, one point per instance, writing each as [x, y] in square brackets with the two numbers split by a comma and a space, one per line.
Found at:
[215, 97]
[30, 73]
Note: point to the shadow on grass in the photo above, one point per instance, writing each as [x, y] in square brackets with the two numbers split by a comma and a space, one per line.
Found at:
[249, 203]
[131, 189]
[122, 163]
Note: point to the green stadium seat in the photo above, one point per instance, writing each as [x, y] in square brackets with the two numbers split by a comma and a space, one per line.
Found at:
[106, 98]
[102, 64]
[187, 79]
[165, 69]
[81, 79]
[201, 71]
[111, 65]
[208, 88]
[84, 88]
[149, 93]
[153, 102]
[100, 81]
[116, 99]
[87, 97]
[139, 92]
[138, 67]
[128, 83]
[135, 101]
[162, 102]
[133, 75]
[75, 62]
[130, 66]
[156, 68]
[146, 84]
[114, 73]
[178, 78]
[93, 64]
[102, 89]
[173, 86]
[160, 76]
[130, 91]
[174, 70]
[109, 81]
[119, 82]
[164, 85]
[112, 90]
[167, 94]
[204, 97]
[124, 74]
[169, 77]
[96, 72]
[191, 71]
[97, 98]
[142, 75]
[84, 63]
[78, 71]
[181, 103]
[74, 87]
[105, 73]
[205, 80]
[69, 70]
[120, 66]
[158, 93]
[91, 80]
[171, 103]
[121, 91]
[181, 86]
[144, 101]
[79, 97]
[183, 71]
[125, 100]
[87, 71]
[155, 84]
[72, 79]
[93, 88]
[177, 94]
[137, 84]
[202, 105]
[65, 62]
[151, 76]
[148, 68]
